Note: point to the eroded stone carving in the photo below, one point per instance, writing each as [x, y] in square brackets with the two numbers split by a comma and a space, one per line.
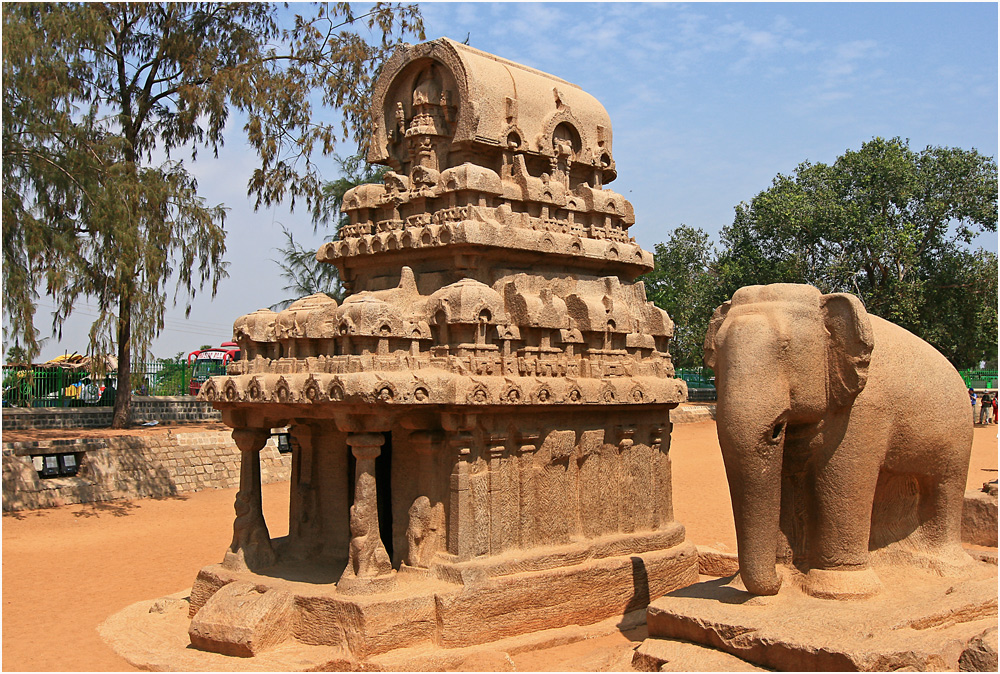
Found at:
[841, 433]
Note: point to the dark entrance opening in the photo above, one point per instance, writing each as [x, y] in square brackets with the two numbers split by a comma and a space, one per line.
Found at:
[383, 487]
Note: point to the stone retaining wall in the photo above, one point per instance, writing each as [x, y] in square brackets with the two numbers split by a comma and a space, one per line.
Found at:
[163, 409]
[130, 467]
[689, 414]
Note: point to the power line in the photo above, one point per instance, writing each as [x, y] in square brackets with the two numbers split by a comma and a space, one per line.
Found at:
[172, 324]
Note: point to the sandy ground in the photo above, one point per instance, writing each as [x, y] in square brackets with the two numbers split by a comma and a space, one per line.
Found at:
[159, 429]
[67, 569]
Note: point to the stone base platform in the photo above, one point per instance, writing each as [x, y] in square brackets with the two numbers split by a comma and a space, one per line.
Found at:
[333, 630]
[919, 622]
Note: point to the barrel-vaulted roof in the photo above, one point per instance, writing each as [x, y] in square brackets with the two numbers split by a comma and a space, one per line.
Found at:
[492, 98]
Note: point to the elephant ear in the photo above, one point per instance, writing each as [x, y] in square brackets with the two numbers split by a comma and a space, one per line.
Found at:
[718, 317]
[850, 350]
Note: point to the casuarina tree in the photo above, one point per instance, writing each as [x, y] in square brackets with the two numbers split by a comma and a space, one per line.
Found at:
[99, 98]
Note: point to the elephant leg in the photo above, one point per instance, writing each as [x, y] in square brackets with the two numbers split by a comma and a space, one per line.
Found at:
[942, 500]
[844, 492]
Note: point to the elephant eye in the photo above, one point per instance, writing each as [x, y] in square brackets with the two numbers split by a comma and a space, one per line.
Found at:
[778, 428]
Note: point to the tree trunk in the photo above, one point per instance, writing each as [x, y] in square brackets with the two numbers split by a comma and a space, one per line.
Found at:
[123, 396]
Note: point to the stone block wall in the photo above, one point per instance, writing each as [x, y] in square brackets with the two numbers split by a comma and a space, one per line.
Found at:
[164, 409]
[692, 414]
[130, 467]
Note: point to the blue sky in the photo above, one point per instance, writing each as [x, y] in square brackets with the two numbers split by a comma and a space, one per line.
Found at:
[708, 103]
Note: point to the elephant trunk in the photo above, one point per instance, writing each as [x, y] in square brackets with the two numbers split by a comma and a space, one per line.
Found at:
[757, 538]
[755, 487]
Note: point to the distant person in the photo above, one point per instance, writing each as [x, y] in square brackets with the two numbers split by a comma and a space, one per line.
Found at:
[89, 394]
[973, 398]
[72, 394]
[985, 409]
[108, 394]
[996, 420]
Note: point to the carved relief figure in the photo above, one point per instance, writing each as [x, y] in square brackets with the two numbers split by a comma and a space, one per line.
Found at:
[367, 554]
[812, 426]
[421, 533]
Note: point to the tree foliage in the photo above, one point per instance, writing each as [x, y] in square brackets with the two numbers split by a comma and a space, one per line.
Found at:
[887, 223]
[97, 96]
[305, 275]
[684, 284]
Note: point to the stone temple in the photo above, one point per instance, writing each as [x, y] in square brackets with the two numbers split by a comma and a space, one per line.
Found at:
[481, 429]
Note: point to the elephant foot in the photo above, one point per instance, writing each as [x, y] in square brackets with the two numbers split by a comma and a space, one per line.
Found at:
[842, 583]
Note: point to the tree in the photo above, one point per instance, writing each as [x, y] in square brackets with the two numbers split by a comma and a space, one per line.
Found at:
[299, 267]
[886, 223]
[96, 97]
[684, 284]
[305, 275]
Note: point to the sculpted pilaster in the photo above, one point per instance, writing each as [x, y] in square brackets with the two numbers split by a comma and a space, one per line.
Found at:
[368, 566]
[528, 442]
[460, 519]
[251, 546]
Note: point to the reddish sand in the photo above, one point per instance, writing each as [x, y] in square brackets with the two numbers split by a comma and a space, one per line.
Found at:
[159, 429]
[66, 569]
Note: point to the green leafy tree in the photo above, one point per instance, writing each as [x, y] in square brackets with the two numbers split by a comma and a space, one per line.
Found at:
[170, 379]
[96, 96]
[888, 224]
[684, 284]
[305, 275]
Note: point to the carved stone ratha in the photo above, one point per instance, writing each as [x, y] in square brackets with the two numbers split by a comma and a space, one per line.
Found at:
[481, 429]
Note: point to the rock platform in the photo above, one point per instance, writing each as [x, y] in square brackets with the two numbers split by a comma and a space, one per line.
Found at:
[919, 622]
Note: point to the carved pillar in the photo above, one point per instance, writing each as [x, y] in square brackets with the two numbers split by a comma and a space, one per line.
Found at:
[526, 488]
[663, 498]
[504, 500]
[251, 546]
[368, 566]
[304, 517]
[631, 500]
[460, 522]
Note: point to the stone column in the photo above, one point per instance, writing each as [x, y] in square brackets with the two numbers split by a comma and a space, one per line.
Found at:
[501, 527]
[368, 569]
[425, 529]
[526, 488]
[663, 502]
[251, 546]
[305, 518]
[460, 522]
[631, 496]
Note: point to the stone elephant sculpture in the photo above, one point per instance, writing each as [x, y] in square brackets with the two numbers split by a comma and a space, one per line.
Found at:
[842, 433]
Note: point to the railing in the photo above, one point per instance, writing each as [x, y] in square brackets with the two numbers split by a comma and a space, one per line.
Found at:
[979, 379]
[696, 377]
[700, 381]
[25, 386]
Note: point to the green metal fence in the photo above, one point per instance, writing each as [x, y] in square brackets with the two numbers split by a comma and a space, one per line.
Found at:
[25, 386]
[700, 381]
[696, 377]
[979, 379]
[702, 377]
